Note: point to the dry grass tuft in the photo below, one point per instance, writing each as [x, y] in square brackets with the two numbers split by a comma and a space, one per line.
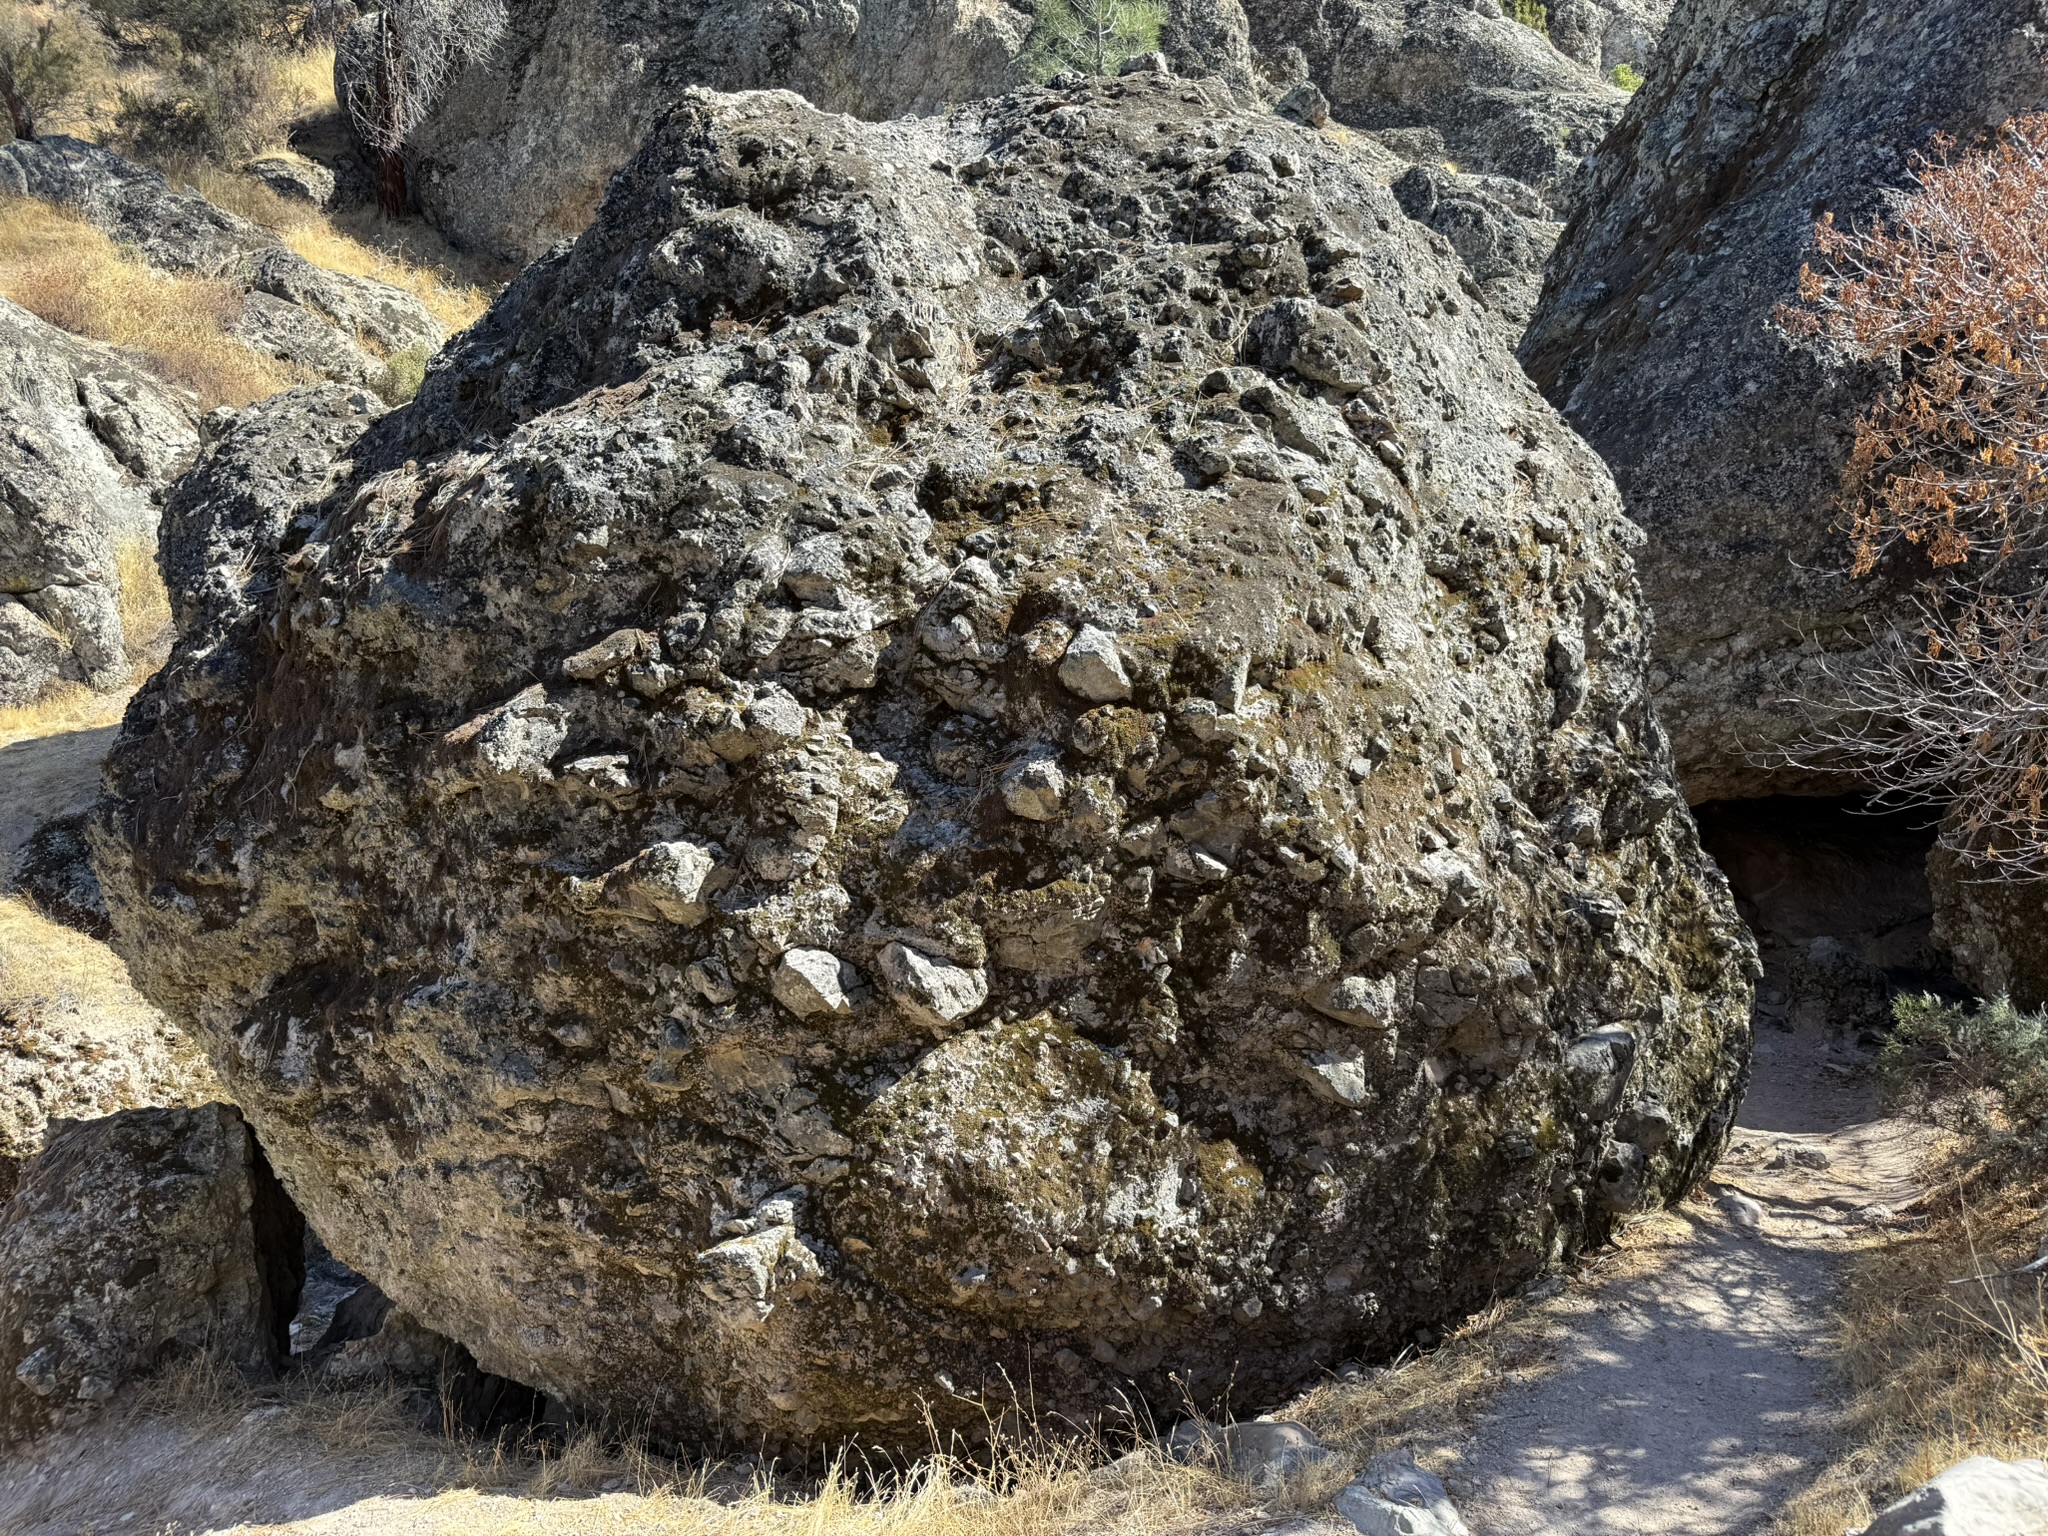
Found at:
[60, 268]
[65, 708]
[146, 623]
[405, 254]
[1938, 1365]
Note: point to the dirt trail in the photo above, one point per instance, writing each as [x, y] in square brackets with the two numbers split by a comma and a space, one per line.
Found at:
[1691, 1390]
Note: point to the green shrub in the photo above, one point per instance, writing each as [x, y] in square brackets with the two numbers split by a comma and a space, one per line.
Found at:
[52, 60]
[404, 373]
[1534, 15]
[207, 26]
[1628, 79]
[1982, 1068]
[221, 107]
[1097, 37]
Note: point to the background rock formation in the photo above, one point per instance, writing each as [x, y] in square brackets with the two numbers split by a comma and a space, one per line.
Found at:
[520, 151]
[1606, 34]
[1445, 80]
[88, 440]
[1654, 335]
[518, 154]
[1005, 747]
[132, 1240]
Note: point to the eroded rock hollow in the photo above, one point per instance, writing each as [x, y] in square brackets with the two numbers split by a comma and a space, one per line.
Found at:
[1003, 752]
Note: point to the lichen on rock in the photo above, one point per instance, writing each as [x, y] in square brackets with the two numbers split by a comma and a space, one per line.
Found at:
[1149, 702]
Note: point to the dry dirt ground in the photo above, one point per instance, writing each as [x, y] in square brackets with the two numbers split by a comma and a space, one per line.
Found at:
[1691, 1388]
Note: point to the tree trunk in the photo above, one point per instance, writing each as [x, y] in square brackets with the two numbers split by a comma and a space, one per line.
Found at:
[394, 193]
[18, 115]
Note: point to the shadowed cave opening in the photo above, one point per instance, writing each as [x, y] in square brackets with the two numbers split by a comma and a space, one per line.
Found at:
[1835, 890]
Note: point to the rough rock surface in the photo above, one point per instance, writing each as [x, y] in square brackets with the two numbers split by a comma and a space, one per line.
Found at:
[292, 309]
[1726, 435]
[88, 440]
[54, 870]
[134, 1239]
[1501, 230]
[1445, 79]
[517, 154]
[1607, 34]
[224, 522]
[1995, 931]
[1982, 1494]
[1212, 39]
[691, 936]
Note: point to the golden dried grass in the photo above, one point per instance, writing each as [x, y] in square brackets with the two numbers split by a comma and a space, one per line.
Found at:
[59, 267]
[146, 623]
[1935, 1371]
[65, 708]
[404, 254]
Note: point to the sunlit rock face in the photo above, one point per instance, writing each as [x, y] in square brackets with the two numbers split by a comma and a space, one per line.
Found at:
[995, 754]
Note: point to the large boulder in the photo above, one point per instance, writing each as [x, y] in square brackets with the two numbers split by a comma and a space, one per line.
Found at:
[1655, 335]
[291, 309]
[134, 1240]
[88, 441]
[517, 153]
[1982, 1496]
[993, 750]
[1448, 80]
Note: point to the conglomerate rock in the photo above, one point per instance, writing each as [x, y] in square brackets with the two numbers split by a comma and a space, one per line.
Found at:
[1000, 751]
[1446, 79]
[132, 1240]
[1655, 335]
[88, 440]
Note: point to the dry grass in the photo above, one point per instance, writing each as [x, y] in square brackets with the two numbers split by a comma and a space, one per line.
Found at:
[59, 267]
[1935, 1370]
[65, 708]
[146, 624]
[363, 1459]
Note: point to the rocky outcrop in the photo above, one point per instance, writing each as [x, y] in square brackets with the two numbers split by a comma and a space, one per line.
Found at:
[1655, 335]
[1606, 35]
[1980, 1494]
[1445, 80]
[132, 1241]
[517, 154]
[88, 440]
[225, 522]
[1995, 931]
[1500, 229]
[1002, 748]
[54, 871]
[330, 323]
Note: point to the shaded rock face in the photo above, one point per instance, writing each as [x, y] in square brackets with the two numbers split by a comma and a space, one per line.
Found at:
[87, 443]
[517, 155]
[291, 309]
[1996, 931]
[54, 870]
[133, 1240]
[1005, 747]
[1446, 80]
[1837, 894]
[224, 523]
[1654, 334]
